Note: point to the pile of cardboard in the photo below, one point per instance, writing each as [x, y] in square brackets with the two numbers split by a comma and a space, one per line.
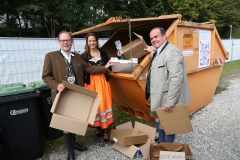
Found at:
[129, 140]
[76, 107]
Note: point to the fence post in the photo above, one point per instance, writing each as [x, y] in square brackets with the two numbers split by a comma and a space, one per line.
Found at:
[232, 50]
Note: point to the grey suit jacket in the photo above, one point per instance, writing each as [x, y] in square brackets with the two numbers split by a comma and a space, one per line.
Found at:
[169, 83]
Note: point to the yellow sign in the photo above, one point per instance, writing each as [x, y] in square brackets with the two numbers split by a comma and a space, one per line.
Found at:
[188, 39]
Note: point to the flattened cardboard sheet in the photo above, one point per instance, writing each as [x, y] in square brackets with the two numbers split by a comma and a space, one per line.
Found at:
[176, 122]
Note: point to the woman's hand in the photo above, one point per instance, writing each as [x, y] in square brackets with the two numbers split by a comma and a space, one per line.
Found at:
[108, 64]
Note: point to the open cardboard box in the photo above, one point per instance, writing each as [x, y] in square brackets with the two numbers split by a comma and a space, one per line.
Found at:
[137, 47]
[74, 108]
[132, 149]
[127, 137]
[170, 151]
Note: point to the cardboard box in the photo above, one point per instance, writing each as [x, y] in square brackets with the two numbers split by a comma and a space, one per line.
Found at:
[144, 148]
[170, 155]
[127, 137]
[137, 48]
[74, 108]
[176, 122]
[166, 151]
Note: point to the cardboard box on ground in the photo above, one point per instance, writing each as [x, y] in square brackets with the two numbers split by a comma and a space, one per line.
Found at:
[74, 108]
[127, 137]
[132, 149]
[170, 151]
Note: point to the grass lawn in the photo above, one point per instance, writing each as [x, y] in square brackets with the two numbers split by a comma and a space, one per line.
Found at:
[228, 69]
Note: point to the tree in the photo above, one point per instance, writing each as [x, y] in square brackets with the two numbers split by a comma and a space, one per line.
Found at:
[203, 13]
[158, 7]
[189, 9]
[225, 13]
[11, 16]
[48, 17]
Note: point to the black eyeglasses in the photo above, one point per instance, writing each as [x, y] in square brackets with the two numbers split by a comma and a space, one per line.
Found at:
[67, 41]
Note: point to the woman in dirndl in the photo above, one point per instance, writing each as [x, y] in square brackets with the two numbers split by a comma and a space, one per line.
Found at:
[99, 83]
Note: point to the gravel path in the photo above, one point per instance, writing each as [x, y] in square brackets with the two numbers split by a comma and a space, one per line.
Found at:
[215, 136]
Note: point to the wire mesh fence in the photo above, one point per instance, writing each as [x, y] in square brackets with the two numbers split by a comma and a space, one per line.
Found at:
[21, 59]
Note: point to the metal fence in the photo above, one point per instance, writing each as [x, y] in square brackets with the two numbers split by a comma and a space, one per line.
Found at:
[21, 59]
[233, 48]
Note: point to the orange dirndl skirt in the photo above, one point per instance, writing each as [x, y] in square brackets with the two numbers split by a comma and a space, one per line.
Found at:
[104, 115]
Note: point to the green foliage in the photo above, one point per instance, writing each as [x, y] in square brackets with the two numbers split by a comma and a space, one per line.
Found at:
[47, 18]
[225, 13]
[236, 33]
[188, 8]
[157, 10]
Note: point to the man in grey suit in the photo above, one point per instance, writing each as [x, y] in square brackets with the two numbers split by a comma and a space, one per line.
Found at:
[167, 83]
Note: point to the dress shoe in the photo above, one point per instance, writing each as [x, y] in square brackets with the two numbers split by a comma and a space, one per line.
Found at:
[70, 157]
[80, 147]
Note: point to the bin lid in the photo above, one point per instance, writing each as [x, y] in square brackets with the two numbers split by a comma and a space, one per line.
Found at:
[11, 85]
[117, 23]
[15, 90]
[37, 84]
